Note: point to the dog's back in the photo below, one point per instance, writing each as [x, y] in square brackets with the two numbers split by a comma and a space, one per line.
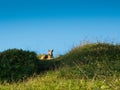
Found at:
[49, 56]
[43, 57]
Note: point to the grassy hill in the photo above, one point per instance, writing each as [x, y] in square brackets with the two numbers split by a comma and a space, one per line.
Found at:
[88, 67]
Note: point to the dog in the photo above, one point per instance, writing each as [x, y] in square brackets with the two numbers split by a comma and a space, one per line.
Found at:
[48, 56]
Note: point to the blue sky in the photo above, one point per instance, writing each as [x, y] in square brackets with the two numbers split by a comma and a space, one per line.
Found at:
[39, 25]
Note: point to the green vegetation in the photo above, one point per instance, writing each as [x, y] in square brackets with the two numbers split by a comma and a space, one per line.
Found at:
[17, 64]
[99, 59]
[86, 67]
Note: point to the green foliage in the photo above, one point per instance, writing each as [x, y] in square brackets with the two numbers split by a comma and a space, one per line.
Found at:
[94, 50]
[50, 80]
[46, 65]
[87, 67]
[17, 64]
[99, 59]
[91, 53]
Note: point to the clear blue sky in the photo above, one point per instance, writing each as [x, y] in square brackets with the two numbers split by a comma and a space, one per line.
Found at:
[39, 25]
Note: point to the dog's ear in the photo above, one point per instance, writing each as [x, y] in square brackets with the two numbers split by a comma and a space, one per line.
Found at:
[52, 50]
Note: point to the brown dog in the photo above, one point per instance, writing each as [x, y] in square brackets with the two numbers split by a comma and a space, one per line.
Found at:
[49, 56]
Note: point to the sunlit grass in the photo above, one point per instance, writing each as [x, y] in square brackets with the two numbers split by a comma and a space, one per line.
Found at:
[88, 67]
[51, 80]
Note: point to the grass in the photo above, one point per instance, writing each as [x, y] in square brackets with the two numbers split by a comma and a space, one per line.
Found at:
[51, 80]
[87, 67]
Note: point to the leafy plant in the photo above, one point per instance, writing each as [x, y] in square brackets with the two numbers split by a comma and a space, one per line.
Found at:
[17, 64]
[101, 59]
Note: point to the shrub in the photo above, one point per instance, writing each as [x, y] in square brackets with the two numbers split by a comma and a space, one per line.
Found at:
[17, 64]
[101, 59]
[93, 52]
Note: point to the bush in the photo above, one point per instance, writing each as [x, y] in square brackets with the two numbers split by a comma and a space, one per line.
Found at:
[45, 65]
[17, 64]
[101, 59]
[90, 53]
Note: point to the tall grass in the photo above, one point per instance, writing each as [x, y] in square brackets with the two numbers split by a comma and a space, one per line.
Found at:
[87, 67]
[52, 81]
